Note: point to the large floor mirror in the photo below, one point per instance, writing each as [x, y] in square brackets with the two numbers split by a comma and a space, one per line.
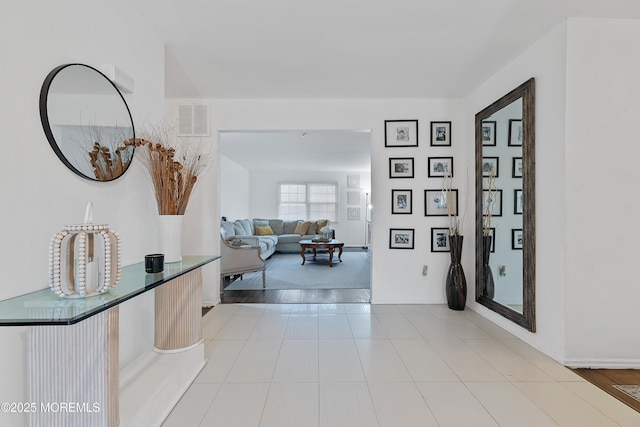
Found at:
[505, 206]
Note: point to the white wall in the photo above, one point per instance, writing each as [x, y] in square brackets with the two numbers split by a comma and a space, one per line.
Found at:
[235, 195]
[546, 61]
[602, 228]
[40, 194]
[264, 198]
[396, 274]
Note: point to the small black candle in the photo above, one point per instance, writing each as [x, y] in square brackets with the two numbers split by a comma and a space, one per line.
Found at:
[154, 263]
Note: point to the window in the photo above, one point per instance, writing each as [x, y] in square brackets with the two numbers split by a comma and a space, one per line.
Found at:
[308, 201]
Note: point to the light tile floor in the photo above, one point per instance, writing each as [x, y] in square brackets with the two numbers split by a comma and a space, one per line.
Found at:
[380, 365]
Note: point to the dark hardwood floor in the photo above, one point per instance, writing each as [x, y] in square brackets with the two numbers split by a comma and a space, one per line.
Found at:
[298, 296]
[607, 378]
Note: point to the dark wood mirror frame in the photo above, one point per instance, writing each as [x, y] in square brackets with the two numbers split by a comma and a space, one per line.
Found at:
[526, 319]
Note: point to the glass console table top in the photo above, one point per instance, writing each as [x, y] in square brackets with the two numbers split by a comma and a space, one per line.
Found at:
[44, 307]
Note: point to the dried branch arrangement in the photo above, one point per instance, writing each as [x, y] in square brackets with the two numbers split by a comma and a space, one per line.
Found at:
[486, 219]
[111, 153]
[174, 172]
[108, 163]
[455, 223]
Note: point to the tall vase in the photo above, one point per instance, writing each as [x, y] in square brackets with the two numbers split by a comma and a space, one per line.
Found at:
[171, 237]
[456, 284]
[489, 288]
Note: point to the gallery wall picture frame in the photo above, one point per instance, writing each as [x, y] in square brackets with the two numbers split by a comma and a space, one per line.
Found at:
[440, 134]
[401, 167]
[401, 238]
[440, 167]
[517, 201]
[492, 233]
[496, 206]
[488, 163]
[400, 133]
[516, 167]
[440, 239]
[436, 203]
[516, 239]
[401, 202]
[515, 133]
[489, 133]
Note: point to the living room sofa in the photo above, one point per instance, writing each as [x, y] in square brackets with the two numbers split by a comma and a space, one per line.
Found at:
[271, 235]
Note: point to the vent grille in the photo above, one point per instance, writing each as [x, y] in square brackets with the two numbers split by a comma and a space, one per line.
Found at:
[193, 120]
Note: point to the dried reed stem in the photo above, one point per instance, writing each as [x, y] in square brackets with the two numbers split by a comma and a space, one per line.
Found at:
[173, 180]
[486, 219]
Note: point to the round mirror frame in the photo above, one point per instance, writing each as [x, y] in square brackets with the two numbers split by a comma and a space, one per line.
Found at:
[46, 125]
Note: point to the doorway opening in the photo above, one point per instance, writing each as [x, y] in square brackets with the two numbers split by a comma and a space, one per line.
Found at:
[333, 169]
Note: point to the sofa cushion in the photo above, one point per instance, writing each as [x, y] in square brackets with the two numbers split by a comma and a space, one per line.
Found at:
[227, 230]
[290, 226]
[264, 231]
[247, 225]
[260, 222]
[302, 228]
[288, 238]
[277, 225]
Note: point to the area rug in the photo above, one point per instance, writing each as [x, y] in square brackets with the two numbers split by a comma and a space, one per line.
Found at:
[284, 271]
[631, 390]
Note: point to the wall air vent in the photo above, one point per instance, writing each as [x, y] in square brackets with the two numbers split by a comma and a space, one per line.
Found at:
[193, 120]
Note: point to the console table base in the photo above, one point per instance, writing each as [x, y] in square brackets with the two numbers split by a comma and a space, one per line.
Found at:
[73, 373]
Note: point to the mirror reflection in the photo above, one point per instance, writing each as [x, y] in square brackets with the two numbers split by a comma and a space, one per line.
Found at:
[502, 204]
[87, 122]
[505, 206]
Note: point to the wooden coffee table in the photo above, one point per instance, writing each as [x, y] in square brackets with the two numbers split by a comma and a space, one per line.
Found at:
[330, 245]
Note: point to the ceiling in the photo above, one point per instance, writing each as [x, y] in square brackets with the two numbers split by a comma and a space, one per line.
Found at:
[320, 150]
[350, 48]
[344, 49]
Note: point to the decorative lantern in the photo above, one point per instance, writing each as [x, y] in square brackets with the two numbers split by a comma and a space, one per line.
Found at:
[84, 260]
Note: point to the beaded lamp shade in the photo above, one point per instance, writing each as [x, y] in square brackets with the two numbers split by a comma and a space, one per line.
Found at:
[84, 259]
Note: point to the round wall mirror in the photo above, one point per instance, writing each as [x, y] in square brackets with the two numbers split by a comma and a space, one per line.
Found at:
[87, 122]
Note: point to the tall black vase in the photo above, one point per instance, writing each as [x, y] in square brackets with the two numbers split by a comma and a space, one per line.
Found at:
[489, 288]
[456, 284]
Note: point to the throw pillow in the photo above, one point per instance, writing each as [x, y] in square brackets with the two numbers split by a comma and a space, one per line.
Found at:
[264, 231]
[302, 228]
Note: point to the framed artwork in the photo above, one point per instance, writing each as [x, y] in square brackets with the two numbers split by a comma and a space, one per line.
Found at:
[489, 163]
[440, 240]
[492, 233]
[440, 202]
[496, 205]
[517, 202]
[441, 134]
[400, 133]
[516, 167]
[401, 238]
[516, 239]
[353, 181]
[401, 167]
[353, 214]
[440, 166]
[353, 197]
[515, 132]
[489, 133]
[401, 201]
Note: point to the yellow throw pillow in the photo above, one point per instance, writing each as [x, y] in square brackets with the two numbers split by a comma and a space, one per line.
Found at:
[302, 228]
[264, 231]
[322, 223]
